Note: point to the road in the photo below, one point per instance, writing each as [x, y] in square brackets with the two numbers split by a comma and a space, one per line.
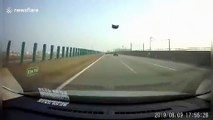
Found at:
[137, 73]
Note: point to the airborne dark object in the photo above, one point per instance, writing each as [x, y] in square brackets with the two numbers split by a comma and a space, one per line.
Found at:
[115, 26]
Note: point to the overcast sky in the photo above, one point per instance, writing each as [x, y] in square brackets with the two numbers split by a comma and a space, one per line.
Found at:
[87, 23]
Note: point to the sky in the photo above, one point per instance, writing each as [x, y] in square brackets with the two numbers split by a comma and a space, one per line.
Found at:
[87, 23]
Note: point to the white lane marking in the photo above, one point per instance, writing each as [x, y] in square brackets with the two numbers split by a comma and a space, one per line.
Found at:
[129, 67]
[72, 78]
[164, 67]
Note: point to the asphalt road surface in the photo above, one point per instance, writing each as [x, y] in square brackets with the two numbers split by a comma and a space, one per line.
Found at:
[137, 73]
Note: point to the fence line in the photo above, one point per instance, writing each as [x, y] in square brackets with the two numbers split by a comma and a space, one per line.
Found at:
[61, 52]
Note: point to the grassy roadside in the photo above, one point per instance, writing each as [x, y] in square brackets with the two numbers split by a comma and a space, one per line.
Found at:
[51, 73]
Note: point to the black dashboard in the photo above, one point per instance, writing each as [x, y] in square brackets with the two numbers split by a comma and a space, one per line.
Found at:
[30, 108]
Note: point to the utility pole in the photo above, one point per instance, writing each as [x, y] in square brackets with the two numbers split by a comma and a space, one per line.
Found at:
[150, 39]
[143, 46]
[130, 46]
[169, 45]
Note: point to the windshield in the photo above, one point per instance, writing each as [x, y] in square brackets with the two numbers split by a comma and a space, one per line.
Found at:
[146, 46]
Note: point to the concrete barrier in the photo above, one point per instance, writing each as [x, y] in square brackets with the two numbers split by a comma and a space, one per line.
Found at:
[199, 58]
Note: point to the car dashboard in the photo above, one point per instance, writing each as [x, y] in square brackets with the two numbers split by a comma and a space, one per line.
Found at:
[30, 108]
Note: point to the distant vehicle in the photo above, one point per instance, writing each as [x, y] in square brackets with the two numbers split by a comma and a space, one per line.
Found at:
[115, 54]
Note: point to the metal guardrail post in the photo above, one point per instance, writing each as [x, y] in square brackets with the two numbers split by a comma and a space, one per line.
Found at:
[34, 52]
[67, 51]
[63, 50]
[80, 50]
[78, 53]
[70, 51]
[51, 51]
[84, 51]
[44, 52]
[58, 52]
[22, 52]
[8, 52]
[73, 51]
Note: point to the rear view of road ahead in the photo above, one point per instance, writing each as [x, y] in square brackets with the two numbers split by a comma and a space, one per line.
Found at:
[138, 73]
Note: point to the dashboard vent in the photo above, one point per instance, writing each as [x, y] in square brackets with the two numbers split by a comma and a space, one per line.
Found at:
[77, 111]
